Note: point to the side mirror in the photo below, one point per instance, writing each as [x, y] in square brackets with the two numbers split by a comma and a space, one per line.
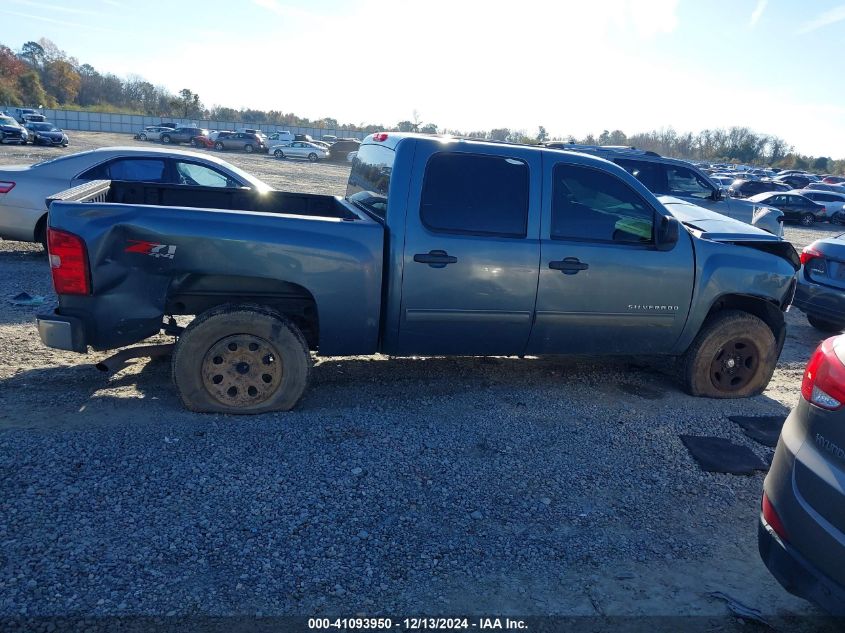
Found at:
[667, 233]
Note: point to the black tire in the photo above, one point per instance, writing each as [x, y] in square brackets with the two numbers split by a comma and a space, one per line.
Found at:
[195, 143]
[165, 138]
[142, 137]
[837, 218]
[733, 356]
[279, 153]
[807, 219]
[41, 232]
[824, 325]
[237, 341]
[312, 157]
[249, 149]
[218, 146]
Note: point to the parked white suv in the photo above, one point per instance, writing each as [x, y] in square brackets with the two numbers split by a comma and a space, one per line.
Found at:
[277, 138]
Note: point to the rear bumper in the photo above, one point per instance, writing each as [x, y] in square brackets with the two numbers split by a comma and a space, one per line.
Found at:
[822, 301]
[796, 574]
[62, 332]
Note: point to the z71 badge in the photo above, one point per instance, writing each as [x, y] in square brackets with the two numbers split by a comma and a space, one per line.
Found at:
[152, 249]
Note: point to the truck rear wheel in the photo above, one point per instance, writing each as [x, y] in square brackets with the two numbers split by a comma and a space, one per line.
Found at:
[733, 356]
[241, 359]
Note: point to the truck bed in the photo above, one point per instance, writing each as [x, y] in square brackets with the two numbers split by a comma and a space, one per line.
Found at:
[162, 249]
[232, 199]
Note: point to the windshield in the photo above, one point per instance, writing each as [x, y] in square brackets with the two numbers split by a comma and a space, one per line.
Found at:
[5, 120]
[45, 127]
[369, 180]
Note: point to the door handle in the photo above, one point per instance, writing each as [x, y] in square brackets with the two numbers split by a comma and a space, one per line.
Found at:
[435, 259]
[568, 265]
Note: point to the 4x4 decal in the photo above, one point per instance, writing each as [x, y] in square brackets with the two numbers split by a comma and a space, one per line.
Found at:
[153, 249]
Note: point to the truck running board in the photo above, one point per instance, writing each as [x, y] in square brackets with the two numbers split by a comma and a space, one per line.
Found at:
[116, 362]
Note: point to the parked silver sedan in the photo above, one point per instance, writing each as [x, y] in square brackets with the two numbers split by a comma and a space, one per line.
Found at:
[300, 149]
[24, 188]
[152, 133]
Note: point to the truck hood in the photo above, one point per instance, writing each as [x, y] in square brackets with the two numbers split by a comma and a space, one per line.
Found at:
[709, 225]
[714, 226]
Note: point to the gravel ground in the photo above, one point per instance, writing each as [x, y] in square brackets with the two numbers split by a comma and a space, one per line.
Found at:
[397, 487]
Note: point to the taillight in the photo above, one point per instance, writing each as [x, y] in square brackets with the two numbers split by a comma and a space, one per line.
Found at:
[810, 252]
[68, 263]
[824, 378]
[6, 186]
[771, 517]
[380, 136]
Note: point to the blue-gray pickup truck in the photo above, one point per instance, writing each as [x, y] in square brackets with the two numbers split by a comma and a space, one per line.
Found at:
[441, 246]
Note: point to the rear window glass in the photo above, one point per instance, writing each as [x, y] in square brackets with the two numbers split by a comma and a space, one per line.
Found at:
[135, 169]
[477, 195]
[369, 180]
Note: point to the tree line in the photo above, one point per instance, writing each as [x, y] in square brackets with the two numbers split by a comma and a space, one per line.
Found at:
[41, 74]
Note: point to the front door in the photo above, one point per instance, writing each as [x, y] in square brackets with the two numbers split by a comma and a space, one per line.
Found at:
[604, 287]
[471, 252]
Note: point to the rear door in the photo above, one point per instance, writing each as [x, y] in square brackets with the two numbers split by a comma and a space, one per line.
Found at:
[604, 287]
[471, 251]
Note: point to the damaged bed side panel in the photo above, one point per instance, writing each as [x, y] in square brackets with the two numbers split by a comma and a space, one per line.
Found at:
[338, 263]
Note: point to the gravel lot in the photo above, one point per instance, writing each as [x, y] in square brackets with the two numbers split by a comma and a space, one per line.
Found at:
[411, 486]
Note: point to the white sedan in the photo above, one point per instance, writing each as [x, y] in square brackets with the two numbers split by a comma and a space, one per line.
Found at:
[300, 149]
[24, 188]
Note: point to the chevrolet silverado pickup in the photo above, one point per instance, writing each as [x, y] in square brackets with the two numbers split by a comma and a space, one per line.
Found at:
[441, 246]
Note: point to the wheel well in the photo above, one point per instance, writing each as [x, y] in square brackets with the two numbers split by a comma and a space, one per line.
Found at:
[195, 294]
[40, 229]
[764, 309]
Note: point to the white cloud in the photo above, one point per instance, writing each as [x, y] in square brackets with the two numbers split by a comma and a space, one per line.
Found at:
[284, 10]
[832, 16]
[53, 7]
[65, 23]
[758, 12]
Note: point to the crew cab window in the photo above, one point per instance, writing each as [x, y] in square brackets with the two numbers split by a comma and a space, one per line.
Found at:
[475, 195]
[193, 174]
[593, 205]
[136, 169]
[685, 182]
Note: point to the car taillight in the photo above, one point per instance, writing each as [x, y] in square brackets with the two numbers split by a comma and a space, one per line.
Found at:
[68, 263]
[380, 136]
[771, 517]
[824, 378]
[6, 186]
[810, 252]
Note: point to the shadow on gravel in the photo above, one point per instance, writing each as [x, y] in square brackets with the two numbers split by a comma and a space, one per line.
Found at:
[80, 396]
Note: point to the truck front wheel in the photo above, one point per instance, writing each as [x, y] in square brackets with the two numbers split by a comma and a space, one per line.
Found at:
[733, 356]
[241, 359]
